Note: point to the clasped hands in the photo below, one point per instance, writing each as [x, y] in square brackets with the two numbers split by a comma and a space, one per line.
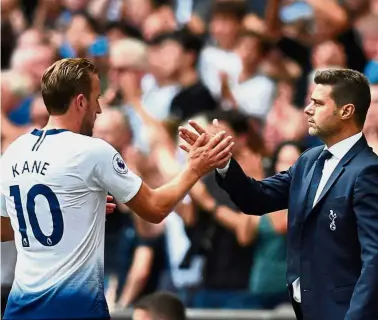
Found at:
[207, 149]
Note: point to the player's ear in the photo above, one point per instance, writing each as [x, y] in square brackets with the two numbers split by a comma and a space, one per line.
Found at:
[80, 101]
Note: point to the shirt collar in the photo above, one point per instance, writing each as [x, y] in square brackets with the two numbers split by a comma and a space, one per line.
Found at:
[340, 149]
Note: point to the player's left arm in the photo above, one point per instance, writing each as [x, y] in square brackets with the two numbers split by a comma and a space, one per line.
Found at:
[7, 233]
[363, 304]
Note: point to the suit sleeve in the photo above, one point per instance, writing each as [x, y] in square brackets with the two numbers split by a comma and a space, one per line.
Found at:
[364, 300]
[256, 197]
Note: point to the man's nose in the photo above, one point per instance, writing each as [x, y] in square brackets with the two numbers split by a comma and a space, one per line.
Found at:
[308, 109]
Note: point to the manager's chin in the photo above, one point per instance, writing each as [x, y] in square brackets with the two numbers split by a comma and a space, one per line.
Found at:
[312, 130]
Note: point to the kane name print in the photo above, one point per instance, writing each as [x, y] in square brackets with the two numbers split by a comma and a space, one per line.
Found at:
[38, 167]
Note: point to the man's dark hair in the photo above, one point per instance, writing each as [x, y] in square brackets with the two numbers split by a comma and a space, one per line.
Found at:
[184, 37]
[242, 125]
[92, 22]
[64, 80]
[162, 305]
[126, 28]
[237, 121]
[230, 8]
[274, 159]
[264, 45]
[348, 87]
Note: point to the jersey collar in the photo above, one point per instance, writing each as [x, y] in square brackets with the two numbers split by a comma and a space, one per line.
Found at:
[38, 132]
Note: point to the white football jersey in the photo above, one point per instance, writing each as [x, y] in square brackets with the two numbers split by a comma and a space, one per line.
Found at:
[53, 188]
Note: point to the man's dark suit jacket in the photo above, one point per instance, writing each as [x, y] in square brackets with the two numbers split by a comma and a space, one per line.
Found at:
[338, 268]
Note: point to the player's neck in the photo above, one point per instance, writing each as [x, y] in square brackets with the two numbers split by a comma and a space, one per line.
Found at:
[62, 122]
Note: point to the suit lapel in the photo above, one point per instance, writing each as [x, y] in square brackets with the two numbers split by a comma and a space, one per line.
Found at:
[332, 179]
[306, 184]
[340, 168]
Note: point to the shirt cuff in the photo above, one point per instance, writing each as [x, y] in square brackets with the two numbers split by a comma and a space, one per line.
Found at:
[224, 170]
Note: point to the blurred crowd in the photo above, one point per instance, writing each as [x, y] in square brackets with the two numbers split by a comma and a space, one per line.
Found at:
[248, 63]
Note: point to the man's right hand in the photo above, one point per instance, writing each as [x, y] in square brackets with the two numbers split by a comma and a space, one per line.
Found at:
[191, 137]
[204, 157]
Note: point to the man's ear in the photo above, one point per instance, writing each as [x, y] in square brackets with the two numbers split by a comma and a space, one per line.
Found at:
[347, 111]
[80, 101]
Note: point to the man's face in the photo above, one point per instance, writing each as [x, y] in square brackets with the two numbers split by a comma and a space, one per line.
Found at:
[370, 44]
[224, 30]
[165, 59]
[139, 314]
[117, 68]
[111, 128]
[287, 157]
[322, 112]
[30, 38]
[34, 61]
[92, 107]
[75, 5]
[125, 73]
[248, 49]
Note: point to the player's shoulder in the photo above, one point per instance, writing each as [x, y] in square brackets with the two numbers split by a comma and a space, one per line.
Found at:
[95, 150]
[16, 146]
[83, 144]
[97, 153]
[94, 146]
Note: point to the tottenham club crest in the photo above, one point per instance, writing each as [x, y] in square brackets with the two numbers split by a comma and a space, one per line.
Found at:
[332, 217]
[119, 165]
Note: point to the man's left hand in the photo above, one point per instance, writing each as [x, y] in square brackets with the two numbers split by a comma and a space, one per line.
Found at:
[110, 206]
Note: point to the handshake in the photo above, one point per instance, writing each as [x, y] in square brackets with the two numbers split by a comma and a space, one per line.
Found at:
[206, 150]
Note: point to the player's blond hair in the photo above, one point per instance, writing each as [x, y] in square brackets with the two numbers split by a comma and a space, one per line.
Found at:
[64, 80]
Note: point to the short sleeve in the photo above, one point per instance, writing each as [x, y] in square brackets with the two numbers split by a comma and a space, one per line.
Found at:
[4, 212]
[109, 171]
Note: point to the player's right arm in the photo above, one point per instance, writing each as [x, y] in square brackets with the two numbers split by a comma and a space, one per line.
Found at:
[153, 205]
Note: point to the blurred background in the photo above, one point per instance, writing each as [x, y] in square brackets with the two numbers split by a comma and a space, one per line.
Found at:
[248, 63]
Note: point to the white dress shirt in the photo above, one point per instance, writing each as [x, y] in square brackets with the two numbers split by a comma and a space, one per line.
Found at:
[338, 150]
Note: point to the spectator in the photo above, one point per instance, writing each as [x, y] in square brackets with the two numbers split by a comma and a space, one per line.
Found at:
[15, 87]
[159, 305]
[224, 27]
[194, 97]
[81, 32]
[117, 30]
[368, 29]
[160, 20]
[33, 61]
[252, 92]
[212, 239]
[283, 111]
[371, 123]
[31, 38]
[128, 63]
[162, 84]
[193, 14]
[133, 262]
